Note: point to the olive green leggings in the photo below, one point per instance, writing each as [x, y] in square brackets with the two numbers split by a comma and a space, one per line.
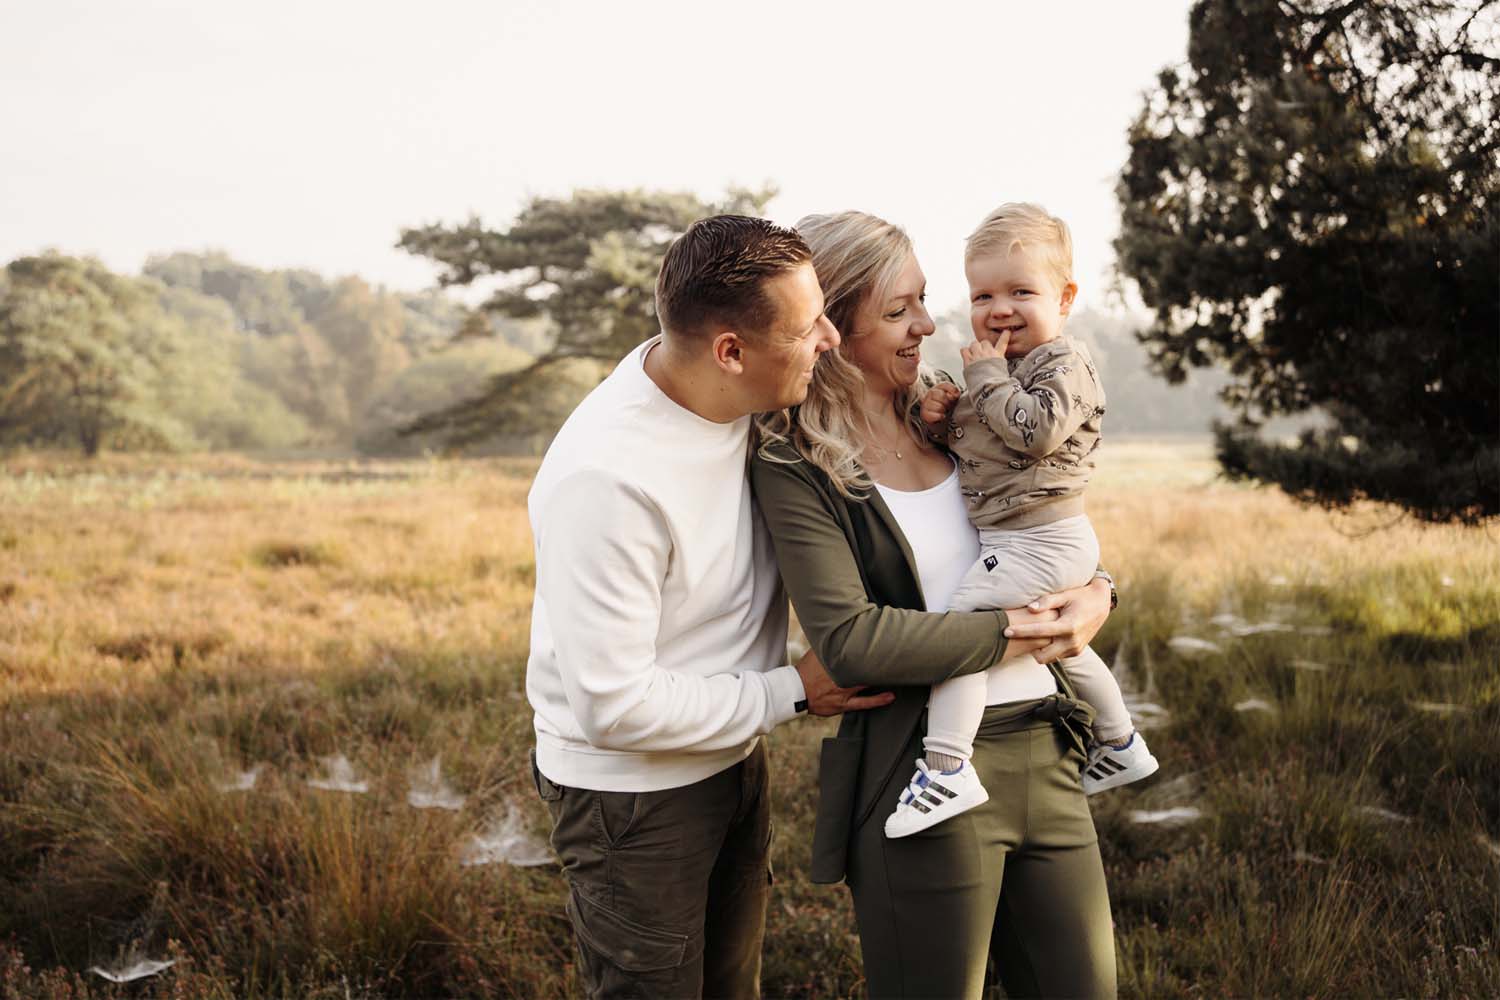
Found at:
[1018, 878]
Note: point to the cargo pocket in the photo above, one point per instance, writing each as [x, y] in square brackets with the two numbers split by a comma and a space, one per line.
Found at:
[838, 781]
[548, 791]
[615, 952]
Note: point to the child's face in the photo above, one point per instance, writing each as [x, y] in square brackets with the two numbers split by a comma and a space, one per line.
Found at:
[1016, 291]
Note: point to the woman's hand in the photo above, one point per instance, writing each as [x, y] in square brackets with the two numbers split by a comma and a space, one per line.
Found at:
[1079, 614]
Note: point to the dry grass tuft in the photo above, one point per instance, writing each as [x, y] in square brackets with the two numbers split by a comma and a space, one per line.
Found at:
[277, 554]
[140, 646]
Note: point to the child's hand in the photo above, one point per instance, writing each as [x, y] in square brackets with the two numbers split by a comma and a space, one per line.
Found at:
[937, 402]
[981, 350]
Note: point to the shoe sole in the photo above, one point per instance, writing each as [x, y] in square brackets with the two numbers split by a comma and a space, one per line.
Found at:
[962, 803]
[1145, 769]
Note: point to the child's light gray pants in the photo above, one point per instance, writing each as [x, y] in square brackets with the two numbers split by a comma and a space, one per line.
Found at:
[1015, 568]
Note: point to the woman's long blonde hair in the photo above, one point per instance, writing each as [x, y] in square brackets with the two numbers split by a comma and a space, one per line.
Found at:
[857, 257]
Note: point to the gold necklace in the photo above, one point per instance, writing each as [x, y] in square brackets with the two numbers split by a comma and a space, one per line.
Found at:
[880, 446]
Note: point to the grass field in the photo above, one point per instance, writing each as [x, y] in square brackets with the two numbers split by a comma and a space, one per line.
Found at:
[1323, 692]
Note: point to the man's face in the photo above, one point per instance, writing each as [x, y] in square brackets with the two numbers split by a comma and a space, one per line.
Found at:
[1015, 291]
[779, 363]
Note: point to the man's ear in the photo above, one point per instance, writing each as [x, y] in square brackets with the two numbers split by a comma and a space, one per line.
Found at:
[1069, 293]
[728, 352]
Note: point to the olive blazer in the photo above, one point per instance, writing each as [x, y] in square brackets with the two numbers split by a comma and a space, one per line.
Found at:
[853, 582]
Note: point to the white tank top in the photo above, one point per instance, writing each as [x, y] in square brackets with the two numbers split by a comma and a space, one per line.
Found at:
[936, 524]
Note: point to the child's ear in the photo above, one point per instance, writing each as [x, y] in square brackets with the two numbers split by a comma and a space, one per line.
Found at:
[729, 352]
[1069, 293]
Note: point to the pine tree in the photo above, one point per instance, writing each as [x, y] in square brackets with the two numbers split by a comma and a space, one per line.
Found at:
[588, 264]
[1311, 202]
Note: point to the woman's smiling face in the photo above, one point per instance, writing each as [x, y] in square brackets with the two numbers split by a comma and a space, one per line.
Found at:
[887, 339]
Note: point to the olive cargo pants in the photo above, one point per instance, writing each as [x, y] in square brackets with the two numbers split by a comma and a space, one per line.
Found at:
[1017, 879]
[667, 889]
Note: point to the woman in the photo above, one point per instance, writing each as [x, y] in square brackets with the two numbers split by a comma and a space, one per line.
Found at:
[870, 530]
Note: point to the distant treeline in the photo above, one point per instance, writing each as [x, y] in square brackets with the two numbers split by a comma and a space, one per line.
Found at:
[203, 352]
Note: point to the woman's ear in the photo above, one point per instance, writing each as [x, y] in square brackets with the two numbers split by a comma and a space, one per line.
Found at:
[728, 352]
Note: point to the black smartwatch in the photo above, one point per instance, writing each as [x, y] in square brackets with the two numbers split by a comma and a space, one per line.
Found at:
[1114, 595]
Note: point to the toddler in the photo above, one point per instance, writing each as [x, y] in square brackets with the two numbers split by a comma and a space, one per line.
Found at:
[1023, 433]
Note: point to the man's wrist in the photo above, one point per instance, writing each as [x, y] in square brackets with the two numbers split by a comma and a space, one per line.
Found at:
[1114, 595]
[798, 693]
[787, 694]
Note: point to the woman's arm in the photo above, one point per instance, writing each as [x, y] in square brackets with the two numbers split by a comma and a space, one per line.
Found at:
[859, 641]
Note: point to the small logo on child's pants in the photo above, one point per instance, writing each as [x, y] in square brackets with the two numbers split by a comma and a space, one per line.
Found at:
[990, 562]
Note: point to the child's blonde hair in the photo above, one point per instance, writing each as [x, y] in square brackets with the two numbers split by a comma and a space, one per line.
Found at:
[1029, 226]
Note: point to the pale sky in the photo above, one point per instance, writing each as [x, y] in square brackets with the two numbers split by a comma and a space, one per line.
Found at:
[306, 134]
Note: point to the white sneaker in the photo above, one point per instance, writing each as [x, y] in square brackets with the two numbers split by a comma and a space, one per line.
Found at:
[933, 796]
[1109, 767]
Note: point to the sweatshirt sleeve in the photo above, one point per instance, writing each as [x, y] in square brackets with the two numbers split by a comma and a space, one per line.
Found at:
[1037, 417]
[859, 641]
[602, 560]
[936, 433]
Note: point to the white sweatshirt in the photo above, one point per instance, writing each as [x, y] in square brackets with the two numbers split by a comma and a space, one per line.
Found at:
[658, 631]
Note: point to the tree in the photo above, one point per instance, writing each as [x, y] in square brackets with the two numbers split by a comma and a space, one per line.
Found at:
[459, 371]
[325, 349]
[1311, 201]
[285, 353]
[587, 263]
[81, 354]
[363, 328]
[207, 389]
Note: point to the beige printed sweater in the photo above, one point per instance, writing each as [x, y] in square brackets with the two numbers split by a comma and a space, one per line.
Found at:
[1024, 434]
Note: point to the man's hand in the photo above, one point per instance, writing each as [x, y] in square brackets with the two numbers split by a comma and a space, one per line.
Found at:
[981, 350]
[824, 697]
[938, 401]
[1080, 615]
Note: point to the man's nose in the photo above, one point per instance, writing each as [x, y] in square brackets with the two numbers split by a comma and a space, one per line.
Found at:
[830, 338]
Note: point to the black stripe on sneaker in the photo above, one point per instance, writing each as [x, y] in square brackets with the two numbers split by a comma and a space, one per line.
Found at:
[917, 804]
[939, 788]
[932, 798]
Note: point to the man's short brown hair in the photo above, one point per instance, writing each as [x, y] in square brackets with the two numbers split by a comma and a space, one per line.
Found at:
[714, 275]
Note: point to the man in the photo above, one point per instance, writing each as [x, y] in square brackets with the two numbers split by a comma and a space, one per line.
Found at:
[659, 625]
